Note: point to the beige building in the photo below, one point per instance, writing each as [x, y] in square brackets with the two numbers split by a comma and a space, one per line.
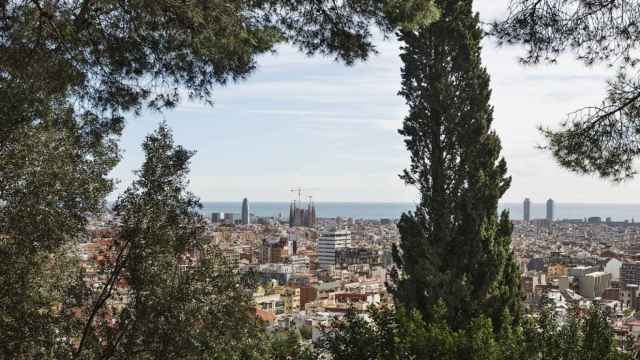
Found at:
[291, 300]
[592, 285]
[556, 270]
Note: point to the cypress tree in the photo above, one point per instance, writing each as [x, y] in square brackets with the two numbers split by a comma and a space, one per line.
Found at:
[455, 248]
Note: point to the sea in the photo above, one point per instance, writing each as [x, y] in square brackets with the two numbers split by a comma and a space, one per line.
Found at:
[376, 210]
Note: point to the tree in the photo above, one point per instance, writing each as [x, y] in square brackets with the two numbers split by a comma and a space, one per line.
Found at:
[454, 248]
[288, 347]
[398, 334]
[71, 70]
[86, 63]
[579, 337]
[112, 56]
[602, 139]
[387, 334]
[184, 300]
[42, 218]
[39, 299]
[598, 339]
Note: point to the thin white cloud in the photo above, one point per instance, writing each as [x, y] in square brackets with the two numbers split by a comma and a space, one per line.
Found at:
[311, 122]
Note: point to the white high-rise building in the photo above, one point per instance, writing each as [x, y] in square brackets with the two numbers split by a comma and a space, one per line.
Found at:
[550, 206]
[527, 210]
[328, 243]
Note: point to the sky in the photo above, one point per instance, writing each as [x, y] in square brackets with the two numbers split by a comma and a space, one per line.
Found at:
[313, 123]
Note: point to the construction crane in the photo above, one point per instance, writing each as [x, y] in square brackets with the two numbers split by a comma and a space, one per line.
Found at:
[300, 191]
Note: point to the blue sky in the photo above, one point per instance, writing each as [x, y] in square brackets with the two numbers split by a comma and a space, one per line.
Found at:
[314, 123]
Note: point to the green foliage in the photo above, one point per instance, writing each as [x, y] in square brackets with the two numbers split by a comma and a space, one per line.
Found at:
[454, 248]
[388, 334]
[118, 56]
[306, 332]
[184, 301]
[69, 70]
[410, 14]
[601, 138]
[288, 347]
[39, 296]
[52, 173]
[577, 338]
[385, 334]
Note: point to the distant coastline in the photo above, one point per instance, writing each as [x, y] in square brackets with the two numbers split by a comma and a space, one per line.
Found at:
[378, 210]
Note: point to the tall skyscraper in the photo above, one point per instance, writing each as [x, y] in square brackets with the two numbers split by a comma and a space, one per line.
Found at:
[328, 243]
[527, 210]
[245, 212]
[550, 210]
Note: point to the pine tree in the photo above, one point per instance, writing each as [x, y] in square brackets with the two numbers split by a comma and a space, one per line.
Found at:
[52, 173]
[183, 299]
[455, 248]
[383, 333]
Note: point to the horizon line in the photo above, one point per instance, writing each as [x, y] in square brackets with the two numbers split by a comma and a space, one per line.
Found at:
[416, 202]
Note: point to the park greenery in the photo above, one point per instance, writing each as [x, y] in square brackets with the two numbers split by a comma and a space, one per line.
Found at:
[71, 71]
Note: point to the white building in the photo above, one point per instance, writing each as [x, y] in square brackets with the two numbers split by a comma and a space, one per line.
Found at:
[613, 267]
[593, 284]
[300, 263]
[328, 243]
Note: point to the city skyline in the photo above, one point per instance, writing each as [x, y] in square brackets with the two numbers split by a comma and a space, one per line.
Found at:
[510, 202]
[273, 220]
[372, 210]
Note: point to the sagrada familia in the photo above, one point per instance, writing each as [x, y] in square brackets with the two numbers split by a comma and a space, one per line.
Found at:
[301, 216]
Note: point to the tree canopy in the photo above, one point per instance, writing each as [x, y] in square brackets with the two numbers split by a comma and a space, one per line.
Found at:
[69, 73]
[52, 174]
[599, 138]
[113, 56]
[183, 299]
[455, 248]
[387, 334]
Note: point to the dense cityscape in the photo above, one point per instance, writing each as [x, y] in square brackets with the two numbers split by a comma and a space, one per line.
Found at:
[108, 253]
[310, 270]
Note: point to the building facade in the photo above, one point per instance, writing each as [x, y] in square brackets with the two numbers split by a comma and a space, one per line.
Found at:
[246, 220]
[630, 273]
[329, 243]
[556, 270]
[217, 217]
[231, 219]
[299, 216]
[582, 270]
[550, 208]
[358, 256]
[592, 285]
[527, 210]
[273, 250]
[629, 296]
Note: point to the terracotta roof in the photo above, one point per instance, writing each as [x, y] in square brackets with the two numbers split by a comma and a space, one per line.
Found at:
[265, 315]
